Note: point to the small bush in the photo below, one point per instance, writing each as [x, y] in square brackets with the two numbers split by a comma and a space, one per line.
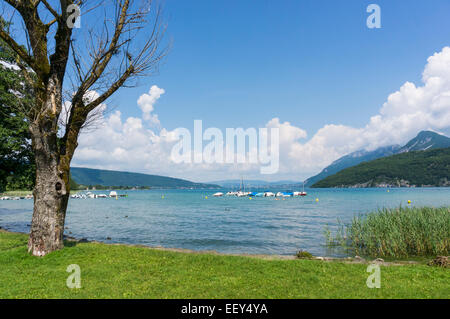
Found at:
[303, 254]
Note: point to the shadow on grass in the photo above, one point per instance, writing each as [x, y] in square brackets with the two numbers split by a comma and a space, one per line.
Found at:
[70, 243]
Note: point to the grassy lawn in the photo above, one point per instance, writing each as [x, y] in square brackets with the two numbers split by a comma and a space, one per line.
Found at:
[16, 193]
[117, 271]
[26, 192]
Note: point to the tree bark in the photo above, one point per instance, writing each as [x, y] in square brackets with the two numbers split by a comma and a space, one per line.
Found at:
[50, 204]
[52, 190]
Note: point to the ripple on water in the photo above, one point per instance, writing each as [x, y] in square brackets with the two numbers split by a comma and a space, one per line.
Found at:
[185, 219]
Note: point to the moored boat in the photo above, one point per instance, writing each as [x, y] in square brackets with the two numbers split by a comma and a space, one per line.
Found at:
[303, 193]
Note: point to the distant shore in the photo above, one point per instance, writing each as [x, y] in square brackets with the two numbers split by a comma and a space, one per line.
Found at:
[383, 185]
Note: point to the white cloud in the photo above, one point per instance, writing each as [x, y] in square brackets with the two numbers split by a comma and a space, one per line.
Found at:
[129, 145]
[125, 145]
[406, 112]
[94, 119]
[147, 101]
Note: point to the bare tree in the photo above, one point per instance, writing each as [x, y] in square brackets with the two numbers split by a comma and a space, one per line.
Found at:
[95, 61]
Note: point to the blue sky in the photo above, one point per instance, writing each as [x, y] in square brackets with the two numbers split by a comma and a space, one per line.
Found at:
[310, 68]
[240, 63]
[313, 69]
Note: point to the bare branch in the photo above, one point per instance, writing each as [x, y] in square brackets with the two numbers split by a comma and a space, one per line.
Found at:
[52, 11]
[123, 48]
[112, 89]
[17, 48]
[103, 58]
[36, 31]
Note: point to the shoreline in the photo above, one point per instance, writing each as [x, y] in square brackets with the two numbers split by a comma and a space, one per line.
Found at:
[346, 260]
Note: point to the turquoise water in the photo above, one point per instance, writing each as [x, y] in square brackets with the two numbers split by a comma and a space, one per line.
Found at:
[186, 219]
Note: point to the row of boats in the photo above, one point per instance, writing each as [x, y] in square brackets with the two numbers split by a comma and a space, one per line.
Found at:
[260, 194]
[242, 193]
[112, 194]
[16, 197]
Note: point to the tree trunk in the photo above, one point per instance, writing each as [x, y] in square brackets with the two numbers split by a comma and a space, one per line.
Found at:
[52, 190]
[51, 195]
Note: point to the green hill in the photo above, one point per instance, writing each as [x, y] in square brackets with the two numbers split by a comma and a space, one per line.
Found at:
[352, 159]
[419, 168]
[88, 176]
[425, 140]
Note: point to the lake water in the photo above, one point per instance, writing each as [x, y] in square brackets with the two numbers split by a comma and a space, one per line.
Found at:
[186, 219]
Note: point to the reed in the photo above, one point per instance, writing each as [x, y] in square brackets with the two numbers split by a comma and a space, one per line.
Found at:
[398, 232]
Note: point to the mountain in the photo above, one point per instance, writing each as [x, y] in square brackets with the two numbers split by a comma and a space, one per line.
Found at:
[408, 169]
[352, 159]
[425, 140]
[89, 176]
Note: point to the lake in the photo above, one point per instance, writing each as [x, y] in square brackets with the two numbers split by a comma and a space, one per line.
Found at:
[187, 219]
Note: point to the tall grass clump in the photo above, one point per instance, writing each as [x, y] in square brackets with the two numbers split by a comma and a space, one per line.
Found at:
[398, 232]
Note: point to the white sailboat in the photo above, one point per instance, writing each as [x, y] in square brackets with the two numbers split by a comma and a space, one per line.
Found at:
[242, 192]
[303, 193]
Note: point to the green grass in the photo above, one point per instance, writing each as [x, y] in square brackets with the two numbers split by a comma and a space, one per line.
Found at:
[118, 271]
[400, 232]
[19, 193]
[16, 193]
